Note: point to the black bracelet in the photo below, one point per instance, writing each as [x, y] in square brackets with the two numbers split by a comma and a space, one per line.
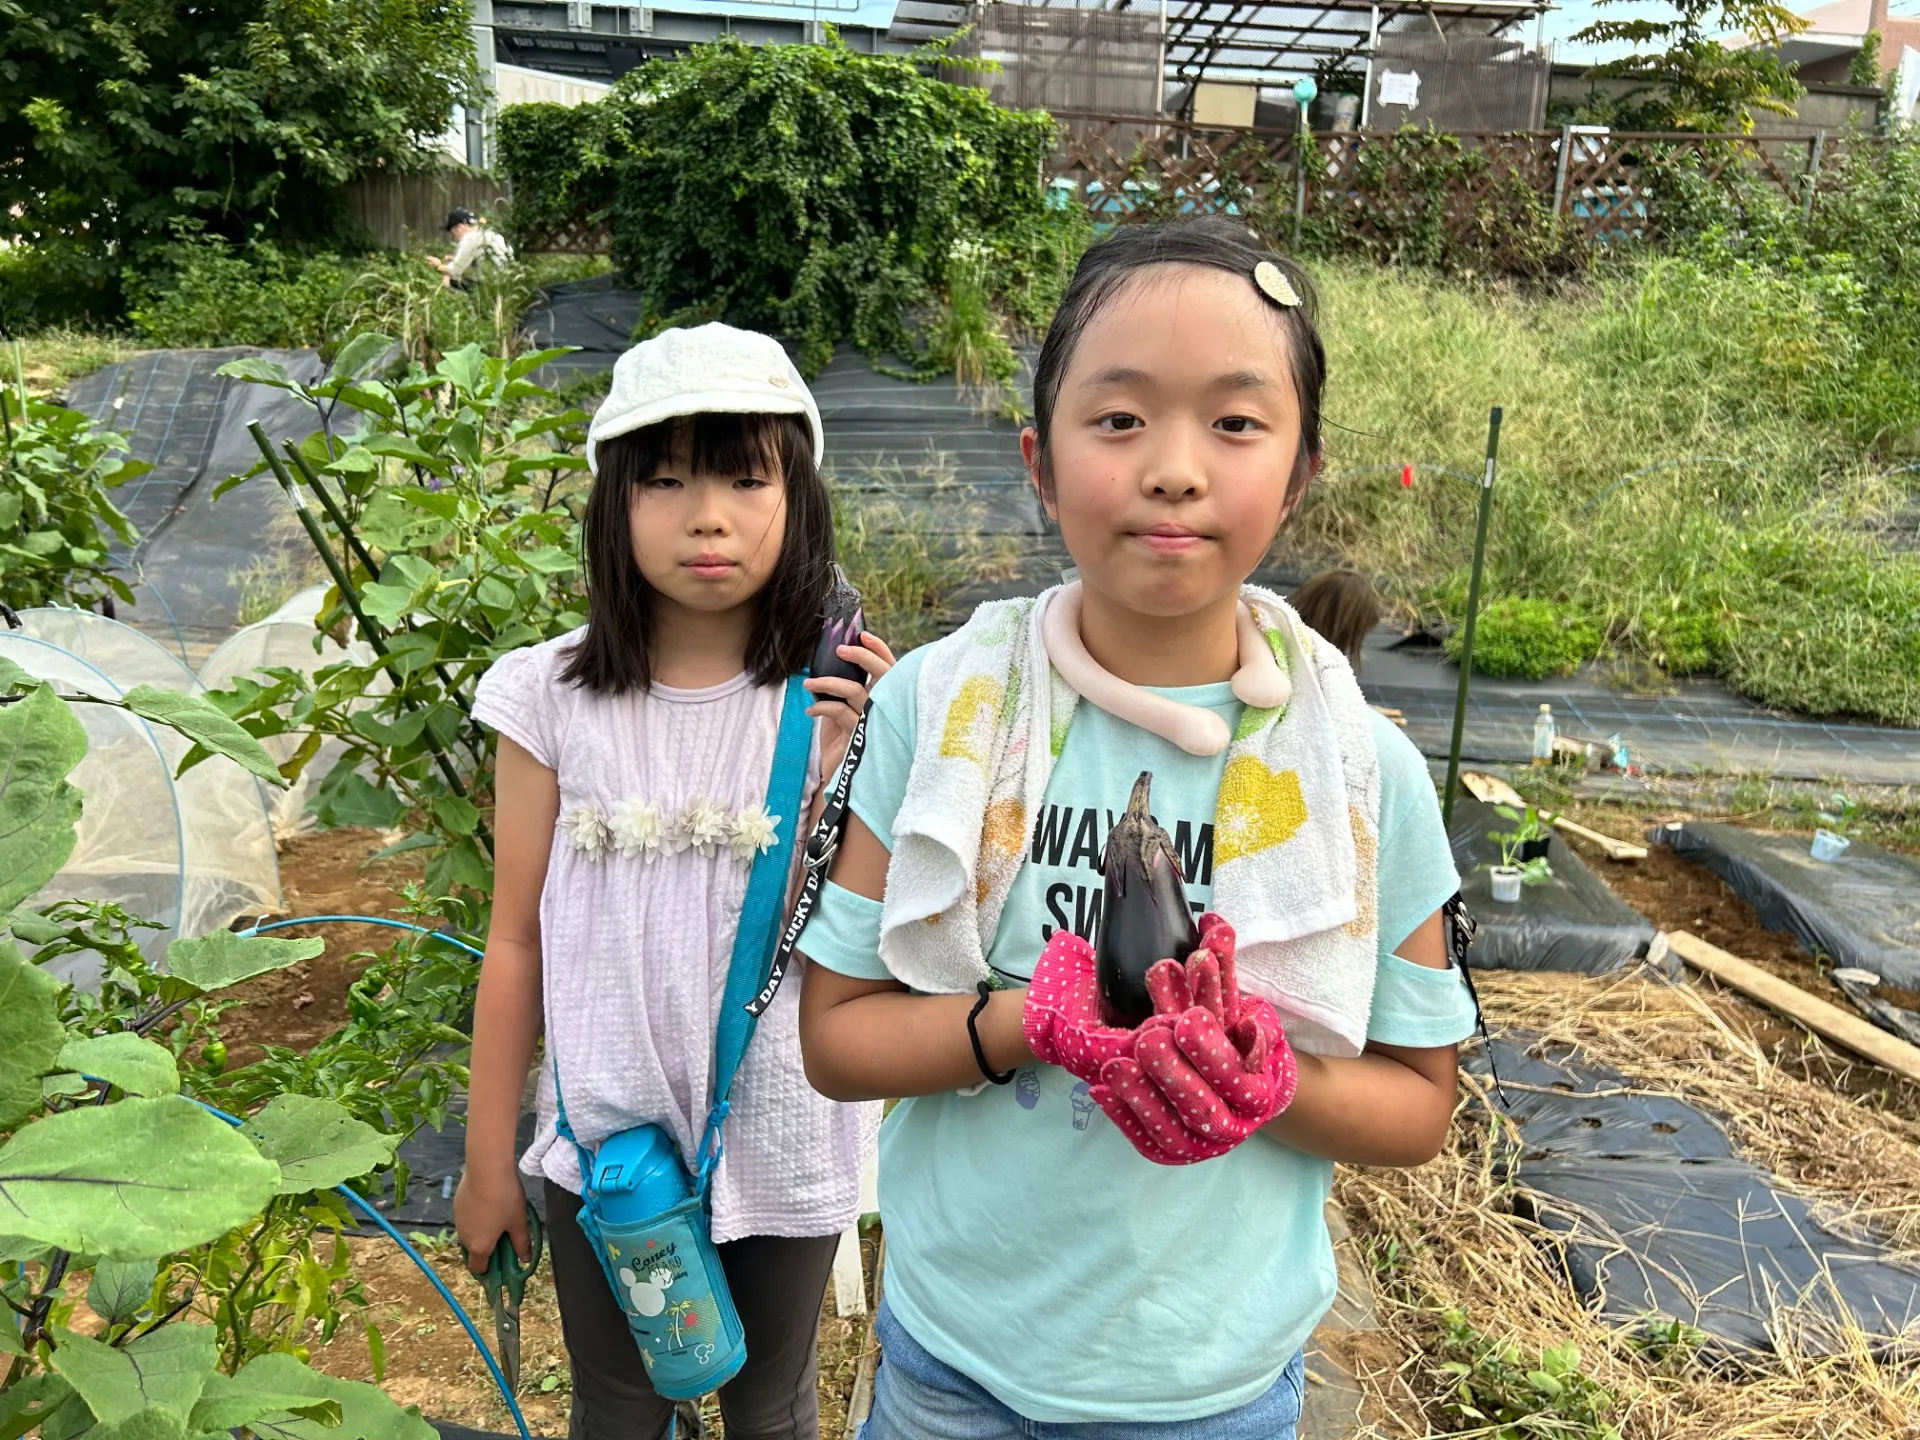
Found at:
[1005, 1077]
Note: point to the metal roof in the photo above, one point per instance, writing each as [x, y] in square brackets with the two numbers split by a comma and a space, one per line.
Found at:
[1258, 38]
[1254, 38]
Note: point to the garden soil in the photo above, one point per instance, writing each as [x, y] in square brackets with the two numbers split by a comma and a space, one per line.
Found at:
[431, 1363]
[329, 873]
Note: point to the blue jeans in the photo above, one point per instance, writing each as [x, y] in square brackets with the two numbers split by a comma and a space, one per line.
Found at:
[916, 1397]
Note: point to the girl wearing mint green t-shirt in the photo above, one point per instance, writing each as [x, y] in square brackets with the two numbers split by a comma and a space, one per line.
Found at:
[1093, 1230]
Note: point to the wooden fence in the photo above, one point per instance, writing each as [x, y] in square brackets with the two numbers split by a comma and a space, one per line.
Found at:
[403, 210]
[1603, 186]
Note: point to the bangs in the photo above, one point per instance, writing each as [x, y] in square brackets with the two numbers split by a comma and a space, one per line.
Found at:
[713, 444]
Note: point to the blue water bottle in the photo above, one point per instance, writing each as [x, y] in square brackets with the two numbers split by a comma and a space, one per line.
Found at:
[649, 1228]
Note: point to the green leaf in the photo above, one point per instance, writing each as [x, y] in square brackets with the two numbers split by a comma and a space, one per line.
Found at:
[534, 359]
[355, 802]
[10, 1341]
[317, 1143]
[464, 367]
[202, 722]
[40, 742]
[120, 1289]
[152, 1423]
[30, 1034]
[229, 1403]
[360, 357]
[445, 504]
[233, 482]
[167, 1368]
[260, 372]
[32, 928]
[132, 1062]
[17, 1249]
[366, 1412]
[27, 1402]
[457, 813]
[12, 677]
[220, 959]
[547, 559]
[132, 1181]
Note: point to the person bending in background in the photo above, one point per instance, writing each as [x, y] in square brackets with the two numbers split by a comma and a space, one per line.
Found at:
[474, 243]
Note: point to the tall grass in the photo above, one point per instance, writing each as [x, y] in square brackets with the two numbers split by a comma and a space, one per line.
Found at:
[910, 541]
[1743, 542]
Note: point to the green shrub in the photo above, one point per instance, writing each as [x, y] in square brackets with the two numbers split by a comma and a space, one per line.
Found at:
[56, 517]
[1529, 639]
[204, 293]
[802, 189]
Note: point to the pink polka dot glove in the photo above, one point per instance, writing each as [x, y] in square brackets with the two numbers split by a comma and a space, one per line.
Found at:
[1061, 1020]
[1208, 1068]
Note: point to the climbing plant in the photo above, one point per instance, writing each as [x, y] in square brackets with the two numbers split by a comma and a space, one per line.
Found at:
[803, 189]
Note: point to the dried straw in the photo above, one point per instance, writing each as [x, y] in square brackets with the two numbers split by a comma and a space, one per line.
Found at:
[1444, 1237]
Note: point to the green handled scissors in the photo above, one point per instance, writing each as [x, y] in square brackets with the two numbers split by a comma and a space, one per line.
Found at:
[505, 1281]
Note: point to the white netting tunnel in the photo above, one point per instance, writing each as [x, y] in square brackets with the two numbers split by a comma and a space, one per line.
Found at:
[191, 853]
[286, 638]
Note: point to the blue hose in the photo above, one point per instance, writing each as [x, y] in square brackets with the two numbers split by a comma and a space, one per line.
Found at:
[433, 1278]
[447, 936]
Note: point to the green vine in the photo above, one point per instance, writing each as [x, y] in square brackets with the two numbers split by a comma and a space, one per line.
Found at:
[802, 189]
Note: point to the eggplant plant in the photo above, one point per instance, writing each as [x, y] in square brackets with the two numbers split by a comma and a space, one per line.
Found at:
[445, 504]
[189, 1232]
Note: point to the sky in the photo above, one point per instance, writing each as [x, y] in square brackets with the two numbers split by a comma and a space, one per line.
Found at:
[1575, 15]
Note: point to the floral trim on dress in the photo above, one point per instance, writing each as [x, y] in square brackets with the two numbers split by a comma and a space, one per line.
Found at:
[638, 829]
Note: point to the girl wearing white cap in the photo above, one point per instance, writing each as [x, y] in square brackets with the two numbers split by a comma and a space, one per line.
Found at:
[634, 763]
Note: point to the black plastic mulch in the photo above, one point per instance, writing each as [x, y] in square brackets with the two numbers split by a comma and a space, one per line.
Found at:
[1658, 1217]
[1571, 922]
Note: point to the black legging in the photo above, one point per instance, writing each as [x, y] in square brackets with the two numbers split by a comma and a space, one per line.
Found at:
[777, 1286]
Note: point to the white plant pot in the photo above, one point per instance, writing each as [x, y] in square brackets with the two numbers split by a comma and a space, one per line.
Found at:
[1506, 884]
[1828, 846]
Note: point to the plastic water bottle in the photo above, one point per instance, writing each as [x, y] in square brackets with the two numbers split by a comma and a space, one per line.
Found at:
[1543, 736]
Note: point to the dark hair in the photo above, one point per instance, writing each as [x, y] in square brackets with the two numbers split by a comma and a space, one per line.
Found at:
[1340, 605]
[1213, 242]
[459, 215]
[615, 654]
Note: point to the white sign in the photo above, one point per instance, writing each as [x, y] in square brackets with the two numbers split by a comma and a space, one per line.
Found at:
[1397, 88]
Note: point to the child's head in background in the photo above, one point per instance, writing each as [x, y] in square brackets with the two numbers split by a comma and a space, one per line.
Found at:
[1176, 412]
[1340, 605]
[707, 496]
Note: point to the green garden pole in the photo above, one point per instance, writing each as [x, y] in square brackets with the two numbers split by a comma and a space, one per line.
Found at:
[1473, 614]
[375, 638]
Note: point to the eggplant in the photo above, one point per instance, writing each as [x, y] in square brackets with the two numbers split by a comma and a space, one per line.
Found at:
[841, 622]
[1144, 915]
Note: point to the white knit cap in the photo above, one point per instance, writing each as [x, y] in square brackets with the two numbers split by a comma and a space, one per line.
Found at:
[691, 372]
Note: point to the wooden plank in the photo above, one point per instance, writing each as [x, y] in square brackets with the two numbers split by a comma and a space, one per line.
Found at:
[1828, 1021]
[1492, 790]
[860, 1402]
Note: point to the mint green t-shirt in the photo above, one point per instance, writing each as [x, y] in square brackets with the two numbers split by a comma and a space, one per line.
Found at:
[1029, 1245]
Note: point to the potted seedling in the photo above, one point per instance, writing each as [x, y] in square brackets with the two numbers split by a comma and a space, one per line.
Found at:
[1830, 841]
[1523, 852]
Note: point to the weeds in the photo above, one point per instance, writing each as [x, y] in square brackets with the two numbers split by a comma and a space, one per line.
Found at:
[209, 293]
[909, 545]
[1492, 1386]
[52, 358]
[1666, 486]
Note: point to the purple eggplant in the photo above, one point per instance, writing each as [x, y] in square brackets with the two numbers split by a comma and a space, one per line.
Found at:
[1144, 915]
[841, 623]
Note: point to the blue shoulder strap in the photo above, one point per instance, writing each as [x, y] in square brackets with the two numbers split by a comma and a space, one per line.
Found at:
[760, 914]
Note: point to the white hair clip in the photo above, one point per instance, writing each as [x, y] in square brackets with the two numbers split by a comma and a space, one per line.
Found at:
[1275, 285]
